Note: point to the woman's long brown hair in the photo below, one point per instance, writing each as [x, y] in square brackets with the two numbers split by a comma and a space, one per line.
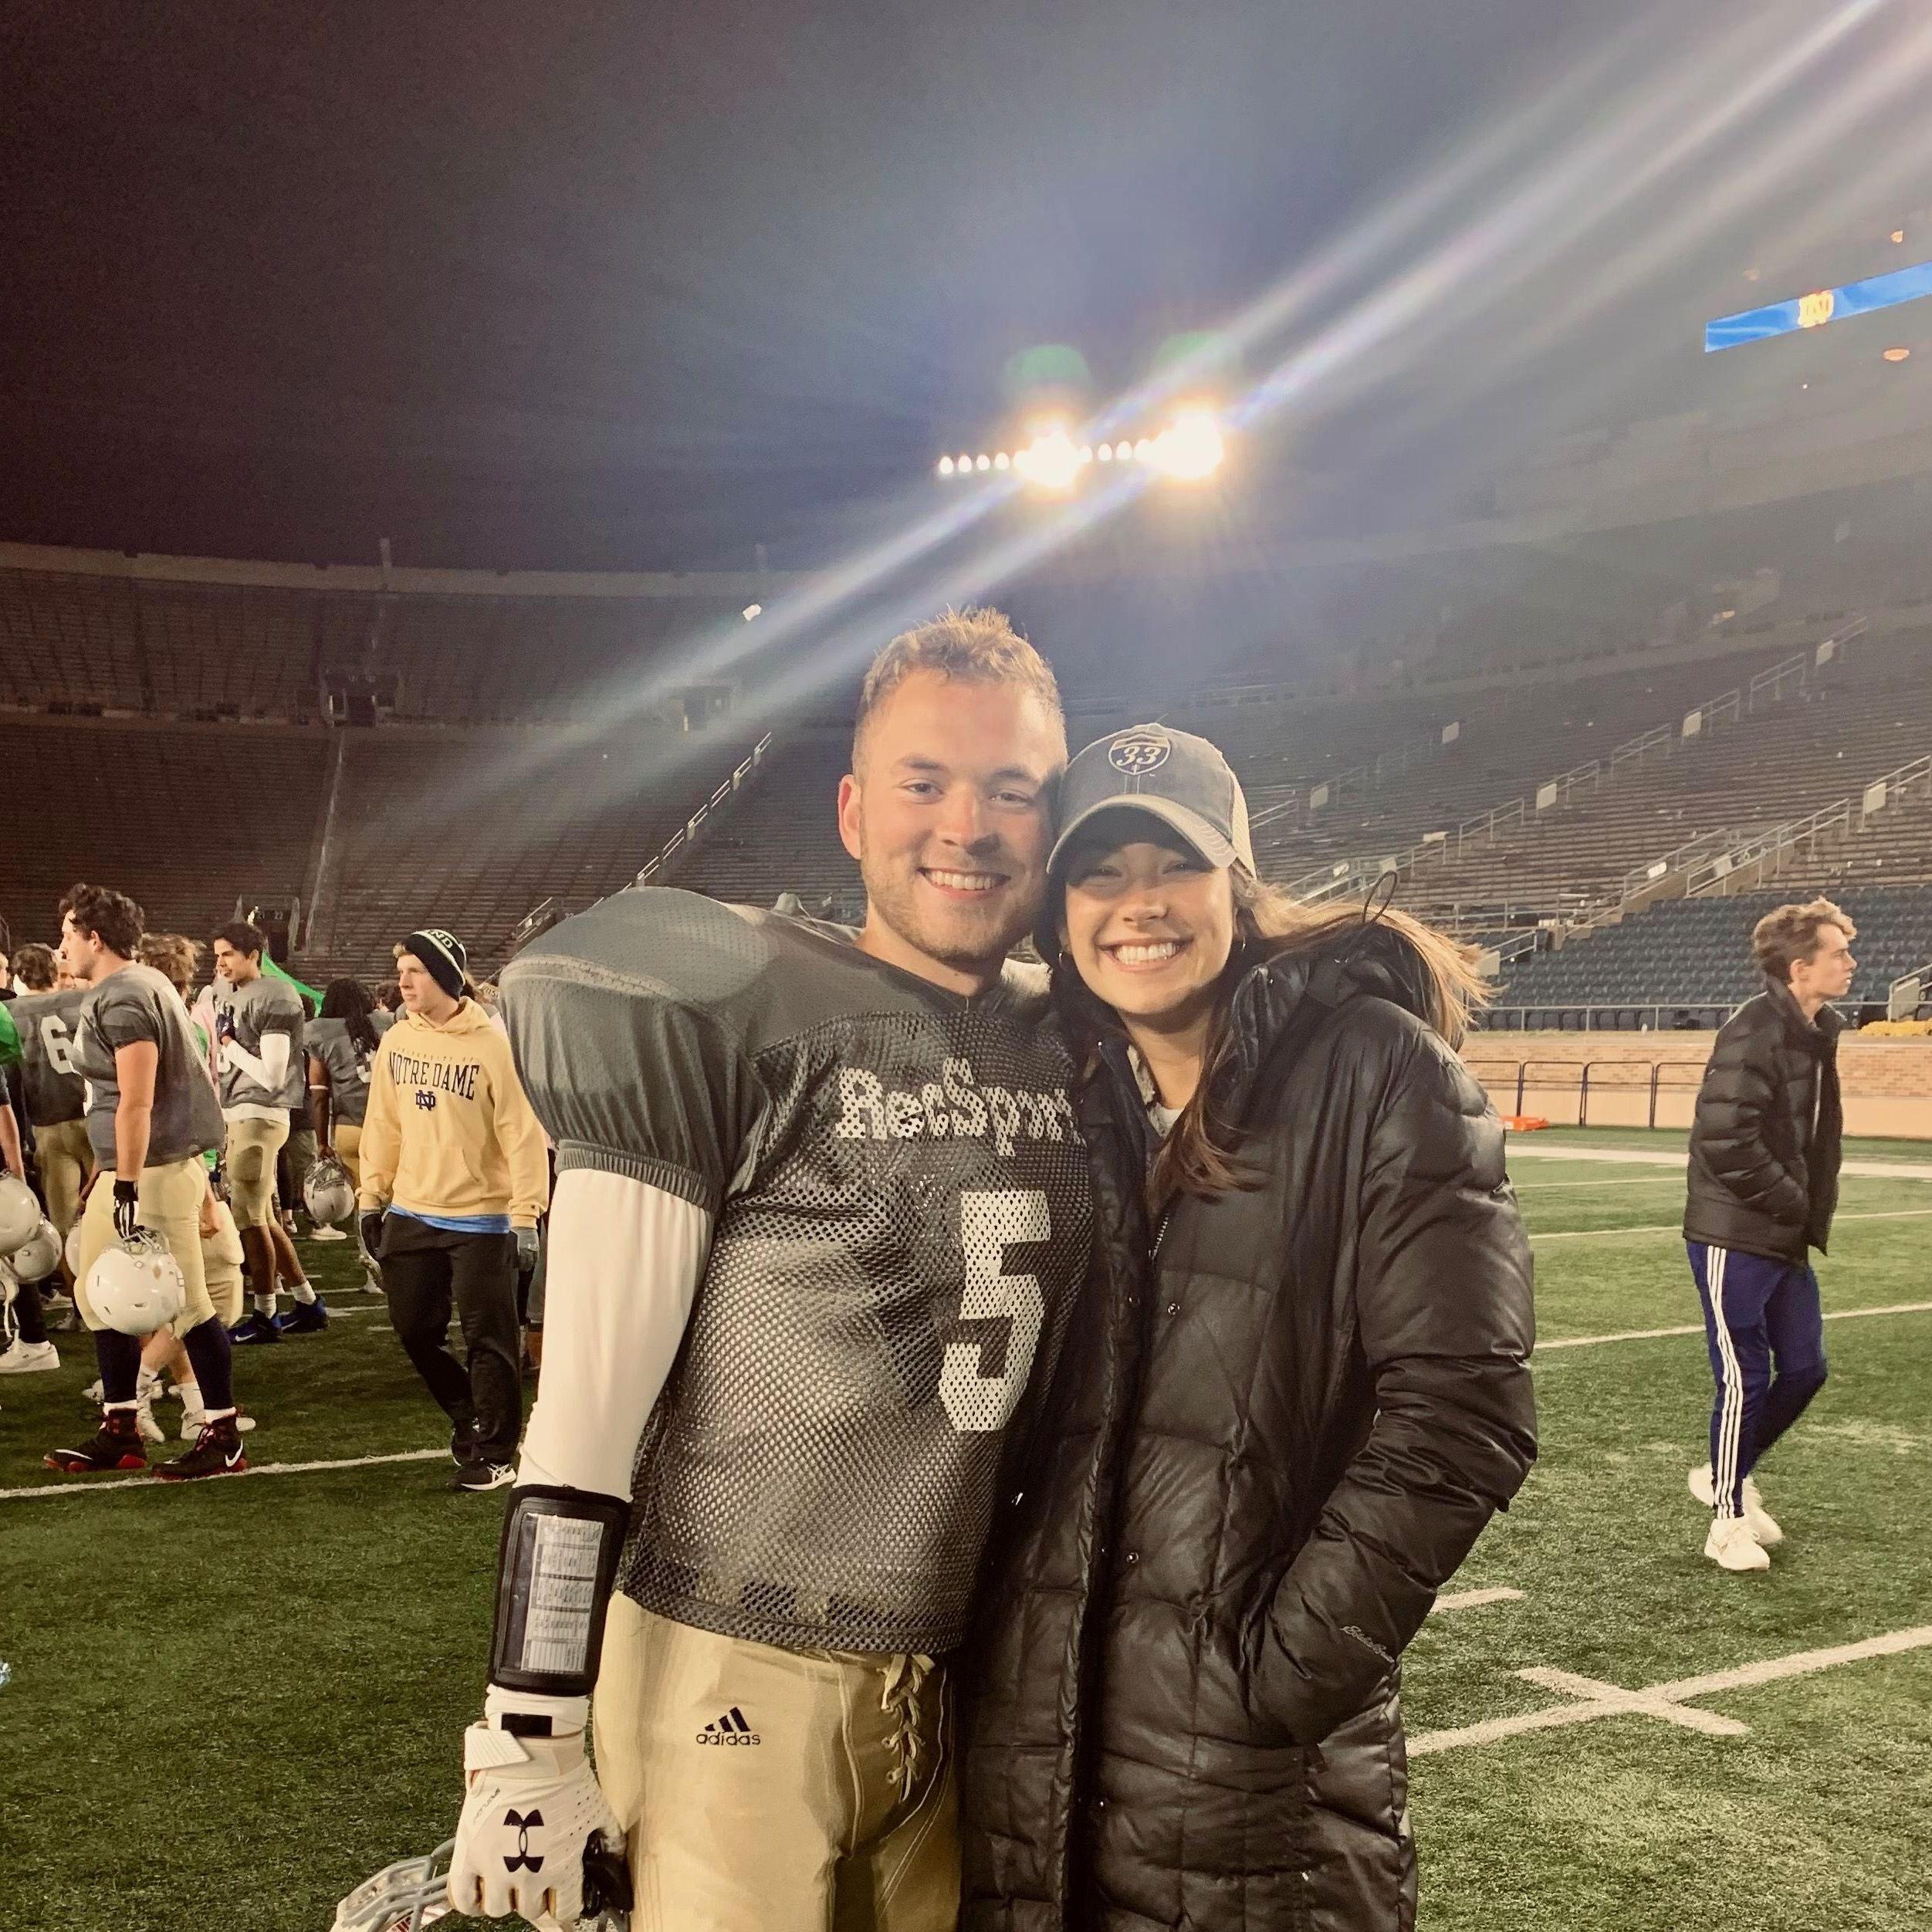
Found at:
[1268, 924]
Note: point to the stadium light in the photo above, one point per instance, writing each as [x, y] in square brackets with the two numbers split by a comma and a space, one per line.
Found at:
[1899, 354]
[1187, 449]
[1191, 450]
[752, 610]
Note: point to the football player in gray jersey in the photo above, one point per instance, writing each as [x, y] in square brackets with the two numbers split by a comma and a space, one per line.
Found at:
[821, 1212]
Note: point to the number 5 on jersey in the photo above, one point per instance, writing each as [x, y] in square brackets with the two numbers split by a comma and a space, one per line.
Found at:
[989, 1225]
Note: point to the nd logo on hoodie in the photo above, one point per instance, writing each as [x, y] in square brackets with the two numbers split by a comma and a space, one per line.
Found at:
[449, 1136]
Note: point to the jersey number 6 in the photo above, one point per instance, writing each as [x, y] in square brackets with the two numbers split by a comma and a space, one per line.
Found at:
[989, 1225]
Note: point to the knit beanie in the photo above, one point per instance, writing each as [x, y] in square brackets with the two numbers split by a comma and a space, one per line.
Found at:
[444, 955]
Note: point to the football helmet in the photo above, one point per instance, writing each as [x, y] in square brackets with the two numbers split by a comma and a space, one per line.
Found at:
[328, 1193]
[73, 1249]
[9, 1287]
[37, 1256]
[135, 1286]
[413, 1893]
[19, 1212]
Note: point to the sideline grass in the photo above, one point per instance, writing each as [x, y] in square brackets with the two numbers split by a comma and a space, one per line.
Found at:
[231, 1702]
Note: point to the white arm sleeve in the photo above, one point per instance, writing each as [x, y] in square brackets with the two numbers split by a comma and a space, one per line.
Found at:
[624, 1266]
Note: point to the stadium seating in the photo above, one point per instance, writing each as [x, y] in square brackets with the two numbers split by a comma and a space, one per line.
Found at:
[1863, 717]
[1688, 961]
[205, 649]
[186, 818]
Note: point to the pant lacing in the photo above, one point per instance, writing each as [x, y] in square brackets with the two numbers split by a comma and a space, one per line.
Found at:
[906, 1678]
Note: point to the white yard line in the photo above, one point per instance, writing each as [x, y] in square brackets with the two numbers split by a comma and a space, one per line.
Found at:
[1473, 1599]
[1664, 1701]
[1625, 1180]
[1697, 1328]
[79, 1486]
[1520, 1148]
[1676, 1227]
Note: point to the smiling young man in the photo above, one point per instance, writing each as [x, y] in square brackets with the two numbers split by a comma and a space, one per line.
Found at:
[1765, 1145]
[821, 1212]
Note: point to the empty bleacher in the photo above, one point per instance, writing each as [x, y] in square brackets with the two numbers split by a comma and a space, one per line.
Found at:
[1687, 962]
[184, 818]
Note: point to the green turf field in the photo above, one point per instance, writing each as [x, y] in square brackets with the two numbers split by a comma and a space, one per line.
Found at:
[231, 1701]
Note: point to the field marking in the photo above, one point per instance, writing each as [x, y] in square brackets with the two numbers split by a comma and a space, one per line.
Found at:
[151, 1482]
[1697, 1328]
[1622, 1180]
[1651, 1703]
[1680, 1159]
[1676, 1227]
[1473, 1599]
[1596, 1699]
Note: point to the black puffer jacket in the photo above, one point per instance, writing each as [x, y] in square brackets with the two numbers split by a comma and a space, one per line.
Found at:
[1768, 1132]
[1269, 1447]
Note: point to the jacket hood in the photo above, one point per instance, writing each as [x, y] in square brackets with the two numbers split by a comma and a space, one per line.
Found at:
[469, 1017]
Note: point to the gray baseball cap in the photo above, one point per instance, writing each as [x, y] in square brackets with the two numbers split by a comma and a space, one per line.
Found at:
[1174, 777]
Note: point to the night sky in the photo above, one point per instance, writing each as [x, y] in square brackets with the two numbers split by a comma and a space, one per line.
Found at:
[635, 285]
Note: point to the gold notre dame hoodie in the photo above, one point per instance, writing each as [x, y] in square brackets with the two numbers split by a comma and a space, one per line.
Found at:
[449, 1137]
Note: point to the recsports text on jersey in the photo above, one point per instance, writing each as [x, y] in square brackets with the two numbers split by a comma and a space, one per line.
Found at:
[956, 1106]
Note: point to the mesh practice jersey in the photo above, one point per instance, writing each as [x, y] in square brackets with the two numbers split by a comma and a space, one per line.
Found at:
[247, 1015]
[902, 1222]
[348, 1065]
[50, 1084]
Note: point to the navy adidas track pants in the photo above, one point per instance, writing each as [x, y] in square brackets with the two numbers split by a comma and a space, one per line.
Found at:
[1766, 1333]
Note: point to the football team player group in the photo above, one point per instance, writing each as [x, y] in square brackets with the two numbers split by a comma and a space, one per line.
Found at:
[232, 1104]
[1000, 1423]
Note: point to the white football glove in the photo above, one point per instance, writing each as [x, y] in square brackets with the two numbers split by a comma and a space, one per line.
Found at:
[532, 1807]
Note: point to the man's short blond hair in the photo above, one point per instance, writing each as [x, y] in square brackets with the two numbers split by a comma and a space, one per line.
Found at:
[975, 645]
[1789, 933]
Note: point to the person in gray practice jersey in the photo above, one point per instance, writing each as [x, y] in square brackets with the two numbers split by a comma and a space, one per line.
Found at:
[821, 1212]
[259, 1027]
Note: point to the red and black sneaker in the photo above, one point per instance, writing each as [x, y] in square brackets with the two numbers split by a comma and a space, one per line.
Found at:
[217, 1452]
[116, 1444]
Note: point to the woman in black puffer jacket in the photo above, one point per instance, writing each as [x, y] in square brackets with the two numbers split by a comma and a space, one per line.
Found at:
[1296, 1391]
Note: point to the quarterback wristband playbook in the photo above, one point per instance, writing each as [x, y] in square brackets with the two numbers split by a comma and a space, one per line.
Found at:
[559, 1562]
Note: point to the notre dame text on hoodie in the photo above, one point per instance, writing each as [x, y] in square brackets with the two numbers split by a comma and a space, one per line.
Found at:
[449, 1137]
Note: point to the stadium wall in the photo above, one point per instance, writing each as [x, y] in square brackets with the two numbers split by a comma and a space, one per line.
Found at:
[1887, 1084]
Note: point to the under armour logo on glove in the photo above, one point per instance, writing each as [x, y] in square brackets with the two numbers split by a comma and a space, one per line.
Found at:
[520, 1823]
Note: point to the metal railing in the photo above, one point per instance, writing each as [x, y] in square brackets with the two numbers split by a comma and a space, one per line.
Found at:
[1327, 881]
[1560, 790]
[689, 831]
[1514, 1079]
[1766, 850]
[1908, 992]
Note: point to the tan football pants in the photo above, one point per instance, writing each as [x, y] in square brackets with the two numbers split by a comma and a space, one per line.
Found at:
[169, 1202]
[66, 1160]
[776, 1791]
[346, 1138]
[249, 1164]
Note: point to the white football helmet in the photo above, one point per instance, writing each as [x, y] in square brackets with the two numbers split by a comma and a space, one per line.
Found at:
[19, 1212]
[328, 1193]
[73, 1249]
[37, 1256]
[136, 1285]
[415, 1892]
[9, 1287]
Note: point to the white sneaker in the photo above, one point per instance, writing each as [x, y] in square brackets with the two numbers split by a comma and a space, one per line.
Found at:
[1731, 1546]
[194, 1421]
[328, 1234]
[24, 1358]
[150, 1431]
[1763, 1526]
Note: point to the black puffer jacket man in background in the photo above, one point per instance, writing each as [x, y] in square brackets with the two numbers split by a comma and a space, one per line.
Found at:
[1296, 1391]
[1765, 1152]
